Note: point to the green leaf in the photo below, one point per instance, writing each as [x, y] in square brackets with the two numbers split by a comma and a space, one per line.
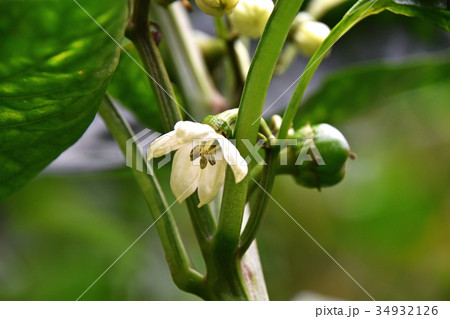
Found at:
[360, 88]
[55, 64]
[130, 86]
[442, 4]
[433, 11]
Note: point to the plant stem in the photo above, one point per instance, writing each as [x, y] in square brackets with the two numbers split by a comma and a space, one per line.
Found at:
[354, 15]
[183, 273]
[251, 269]
[226, 239]
[138, 31]
[203, 223]
[247, 125]
[266, 183]
[238, 73]
[189, 67]
[223, 280]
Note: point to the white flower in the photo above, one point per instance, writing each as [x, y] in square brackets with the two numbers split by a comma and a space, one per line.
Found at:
[250, 17]
[309, 34]
[200, 161]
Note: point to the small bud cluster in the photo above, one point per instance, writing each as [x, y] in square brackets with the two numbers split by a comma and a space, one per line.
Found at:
[217, 8]
[250, 17]
[247, 17]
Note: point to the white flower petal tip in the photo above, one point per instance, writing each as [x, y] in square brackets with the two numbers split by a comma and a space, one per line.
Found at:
[162, 145]
[240, 173]
[188, 131]
[204, 203]
[234, 159]
[211, 180]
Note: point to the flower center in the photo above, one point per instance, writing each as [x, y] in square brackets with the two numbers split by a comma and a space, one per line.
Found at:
[205, 152]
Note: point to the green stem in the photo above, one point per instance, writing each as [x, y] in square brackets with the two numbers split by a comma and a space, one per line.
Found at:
[264, 187]
[203, 223]
[238, 73]
[265, 129]
[221, 29]
[138, 31]
[183, 273]
[255, 174]
[226, 239]
[359, 11]
[247, 126]
[188, 65]
[211, 48]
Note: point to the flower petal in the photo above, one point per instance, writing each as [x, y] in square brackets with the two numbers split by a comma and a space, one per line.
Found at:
[211, 179]
[185, 174]
[186, 131]
[233, 158]
[163, 145]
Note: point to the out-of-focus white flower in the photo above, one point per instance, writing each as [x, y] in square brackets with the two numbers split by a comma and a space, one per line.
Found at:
[250, 17]
[200, 160]
[217, 8]
[243, 57]
[309, 34]
[317, 8]
[301, 18]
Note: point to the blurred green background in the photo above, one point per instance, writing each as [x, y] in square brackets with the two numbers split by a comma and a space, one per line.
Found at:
[387, 223]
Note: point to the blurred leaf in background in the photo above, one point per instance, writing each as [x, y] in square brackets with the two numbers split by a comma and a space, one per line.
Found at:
[386, 223]
[433, 11]
[70, 229]
[365, 86]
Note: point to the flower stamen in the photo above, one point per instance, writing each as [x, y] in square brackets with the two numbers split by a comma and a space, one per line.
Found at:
[195, 153]
[206, 154]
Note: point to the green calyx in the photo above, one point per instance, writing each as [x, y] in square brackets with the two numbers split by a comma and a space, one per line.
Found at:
[318, 160]
[222, 123]
[219, 125]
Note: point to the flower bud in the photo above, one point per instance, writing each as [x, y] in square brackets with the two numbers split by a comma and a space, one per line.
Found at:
[216, 8]
[309, 34]
[219, 125]
[249, 18]
[320, 156]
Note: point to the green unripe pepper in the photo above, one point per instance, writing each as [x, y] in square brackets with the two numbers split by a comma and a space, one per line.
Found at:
[320, 156]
